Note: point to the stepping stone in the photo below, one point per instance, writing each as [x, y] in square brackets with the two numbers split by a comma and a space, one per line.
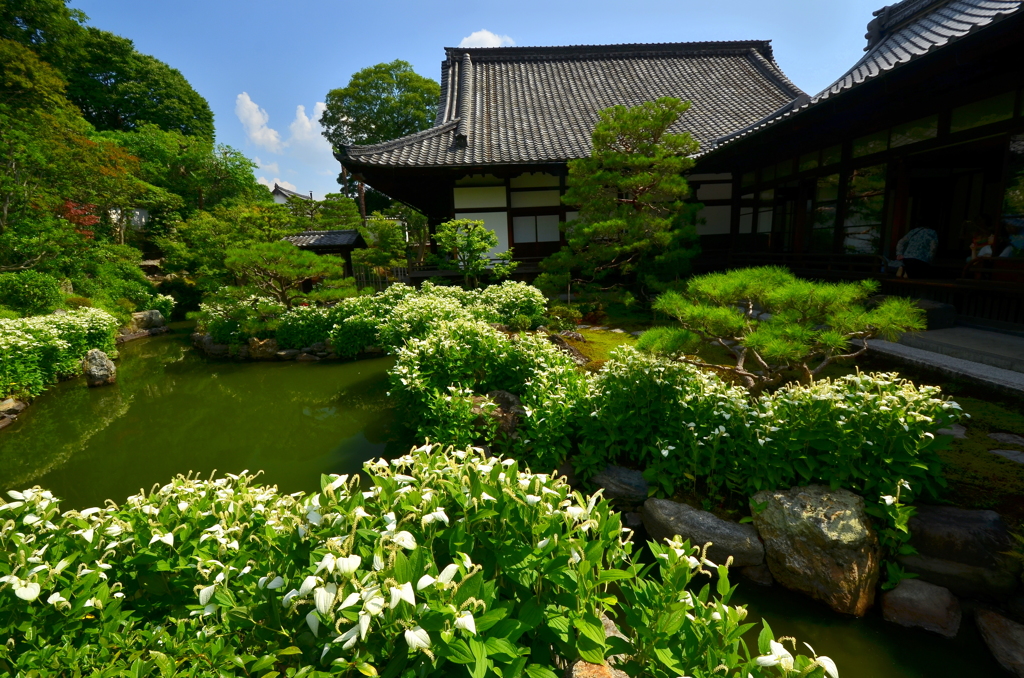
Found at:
[599, 328]
[917, 603]
[583, 327]
[1012, 455]
[618, 331]
[637, 333]
[1004, 638]
[1007, 438]
[956, 430]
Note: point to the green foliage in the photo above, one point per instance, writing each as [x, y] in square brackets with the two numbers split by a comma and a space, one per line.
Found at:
[30, 292]
[563, 318]
[894, 537]
[163, 303]
[811, 324]
[386, 244]
[279, 269]
[8, 314]
[631, 216]
[446, 560]
[232, 317]
[667, 341]
[467, 244]
[39, 351]
[380, 103]
[117, 88]
[78, 302]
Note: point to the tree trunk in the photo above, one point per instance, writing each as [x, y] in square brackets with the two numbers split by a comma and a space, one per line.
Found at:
[362, 201]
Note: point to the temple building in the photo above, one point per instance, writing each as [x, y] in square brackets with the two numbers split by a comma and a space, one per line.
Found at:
[926, 129]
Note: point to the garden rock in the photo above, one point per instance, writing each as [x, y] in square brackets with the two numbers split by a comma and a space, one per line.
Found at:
[759, 574]
[5, 421]
[917, 603]
[146, 320]
[819, 541]
[506, 411]
[99, 369]
[974, 537]
[582, 669]
[1005, 639]
[1012, 455]
[956, 430]
[618, 331]
[665, 519]
[962, 579]
[1007, 438]
[288, 354]
[569, 334]
[621, 483]
[566, 347]
[306, 358]
[12, 406]
[205, 343]
[265, 349]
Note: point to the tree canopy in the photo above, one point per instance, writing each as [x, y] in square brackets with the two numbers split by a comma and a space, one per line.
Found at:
[380, 103]
[629, 193]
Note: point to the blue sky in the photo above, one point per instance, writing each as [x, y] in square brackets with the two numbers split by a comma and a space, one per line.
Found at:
[265, 67]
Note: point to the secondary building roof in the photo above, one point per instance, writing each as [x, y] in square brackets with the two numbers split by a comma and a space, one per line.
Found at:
[317, 239]
[899, 34]
[529, 105]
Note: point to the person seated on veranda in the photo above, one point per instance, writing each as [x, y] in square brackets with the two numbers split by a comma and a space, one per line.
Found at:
[915, 252]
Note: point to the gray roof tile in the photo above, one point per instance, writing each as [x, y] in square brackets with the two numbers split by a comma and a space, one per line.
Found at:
[324, 238]
[900, 33]
[539, 104]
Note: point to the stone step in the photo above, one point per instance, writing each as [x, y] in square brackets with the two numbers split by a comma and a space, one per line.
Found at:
[993, 377]
[1004, 351]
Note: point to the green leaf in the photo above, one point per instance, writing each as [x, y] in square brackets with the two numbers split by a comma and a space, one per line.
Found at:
[606, 576]
[479, 650]
[263, 662]
[366, 669]
[501, 648]
[538, 671]
[289, 651]
[765, 638]
[459, 652]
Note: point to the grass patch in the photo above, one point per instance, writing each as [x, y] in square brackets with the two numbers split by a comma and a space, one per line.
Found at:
[598, 344]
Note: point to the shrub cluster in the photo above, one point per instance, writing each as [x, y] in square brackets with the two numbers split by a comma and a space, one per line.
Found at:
[435, 561]
[687, 428]
[30, 292]
[38, 351]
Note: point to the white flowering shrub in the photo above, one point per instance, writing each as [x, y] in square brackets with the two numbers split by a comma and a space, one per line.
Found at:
[433, 564]
[415, 316]
[502, 303]
[232, 319]
[164, 303]
[863, 432]
[36, 352]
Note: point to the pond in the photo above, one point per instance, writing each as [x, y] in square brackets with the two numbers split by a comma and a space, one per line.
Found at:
[172, 411]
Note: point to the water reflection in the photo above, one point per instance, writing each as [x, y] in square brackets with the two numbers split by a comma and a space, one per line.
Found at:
[173, 412]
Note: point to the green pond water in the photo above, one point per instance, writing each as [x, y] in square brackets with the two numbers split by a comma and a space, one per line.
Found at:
[173, 411]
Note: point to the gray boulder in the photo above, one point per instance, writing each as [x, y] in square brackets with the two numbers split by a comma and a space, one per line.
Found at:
[99, 369]
[970, 581]
[621, 483]
[1005, 639]
[11, 406]
[288, 354]
[917, 603]
[820, 542]
[1012, 455]
[759, 574]
[664, 519]
[1007, 438]
[265, 349]
[146, 320]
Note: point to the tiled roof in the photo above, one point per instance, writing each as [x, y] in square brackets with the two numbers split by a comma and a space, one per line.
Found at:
[901, 33]
[324, 238]
[540, 104]
[290, 194]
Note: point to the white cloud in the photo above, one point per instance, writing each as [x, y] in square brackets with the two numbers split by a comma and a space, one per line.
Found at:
[307, 143]
[271, 167]
[484, 38]
[254, 119]
[269, 183]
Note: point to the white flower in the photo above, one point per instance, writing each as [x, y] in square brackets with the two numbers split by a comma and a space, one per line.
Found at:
[532, 499]
[831, 670]
[94, 602]
[348, 638]
[403, 592]
[276, 583]
[182, 505]
[206, 594]
[374, 605]
[364, 625]
[417, 638]
[888, 499]
[778, 656]
[167, 538]
[425, 581]
[405, 540]
[347, 566]
[26, 590]
[56, 599]
[307, 585]
[350, 600]
[287, 600]
[448, 573]
[439, 514]
[466, 622]
[360, 512]
[486, 497]
[543, 543]
[313, 622]
[338, 482]
[378, 562]
[313, 517]
[326, 563]
[323, 597]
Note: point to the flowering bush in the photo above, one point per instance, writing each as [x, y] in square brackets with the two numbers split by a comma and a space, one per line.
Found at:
[231, 319]
[502, 303]
[40, 350]
[164, 303]
[442, 559]
[30, 292]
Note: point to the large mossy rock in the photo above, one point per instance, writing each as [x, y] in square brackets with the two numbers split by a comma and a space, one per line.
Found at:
[1004, 638]
[963, 550]
[818, 541]
[99, 368]
[664, 519]
[917, 603]
[146, 320]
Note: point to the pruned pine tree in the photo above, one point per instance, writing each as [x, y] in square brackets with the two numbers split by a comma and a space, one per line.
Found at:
[279, 269]
[773, 322]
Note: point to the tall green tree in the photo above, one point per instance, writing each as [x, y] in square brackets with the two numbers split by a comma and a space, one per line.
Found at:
[380, 103]
[117, 88]
[629, 193]
[279, 269]
[49, 27]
